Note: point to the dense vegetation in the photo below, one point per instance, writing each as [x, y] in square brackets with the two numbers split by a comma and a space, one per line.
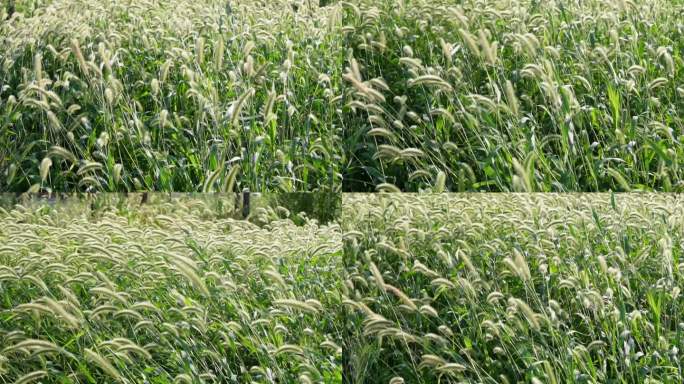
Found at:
[509, 288]
[170, 291]
[513, 95]
[208, 95]
[361, 95]
[196, 103]
[325, 207]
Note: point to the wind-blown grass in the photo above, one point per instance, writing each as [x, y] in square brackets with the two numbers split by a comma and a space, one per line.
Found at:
[166, 292]
[208, 95]
[518, 95]
[510, 288]
[284, 95]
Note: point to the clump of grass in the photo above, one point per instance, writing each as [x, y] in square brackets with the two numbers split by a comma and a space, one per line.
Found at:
[509, 288]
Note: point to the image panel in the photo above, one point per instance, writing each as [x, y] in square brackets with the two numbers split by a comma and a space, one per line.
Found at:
[169, 288]
[173, 96]
[513, 96]
[514, 288]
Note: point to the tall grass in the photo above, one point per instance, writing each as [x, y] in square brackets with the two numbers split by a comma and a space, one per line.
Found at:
[511, 288]
[168, 292]
[285, 95]
[517, 95]
[209, 95]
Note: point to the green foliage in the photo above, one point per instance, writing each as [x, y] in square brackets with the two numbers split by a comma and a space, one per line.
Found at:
[104, 289]
[513, 96]
[513, 288]
[321, 206]
[170, 96]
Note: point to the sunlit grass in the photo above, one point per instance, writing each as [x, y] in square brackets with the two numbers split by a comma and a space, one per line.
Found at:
[184, 95]
[511, 288]
[517, 95]
[171, 291]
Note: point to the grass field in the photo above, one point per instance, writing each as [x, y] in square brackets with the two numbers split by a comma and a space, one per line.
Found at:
[513, 95]
[183, 96]
[360, 95]
[511, 288]
[202, 100]
[173, 291]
